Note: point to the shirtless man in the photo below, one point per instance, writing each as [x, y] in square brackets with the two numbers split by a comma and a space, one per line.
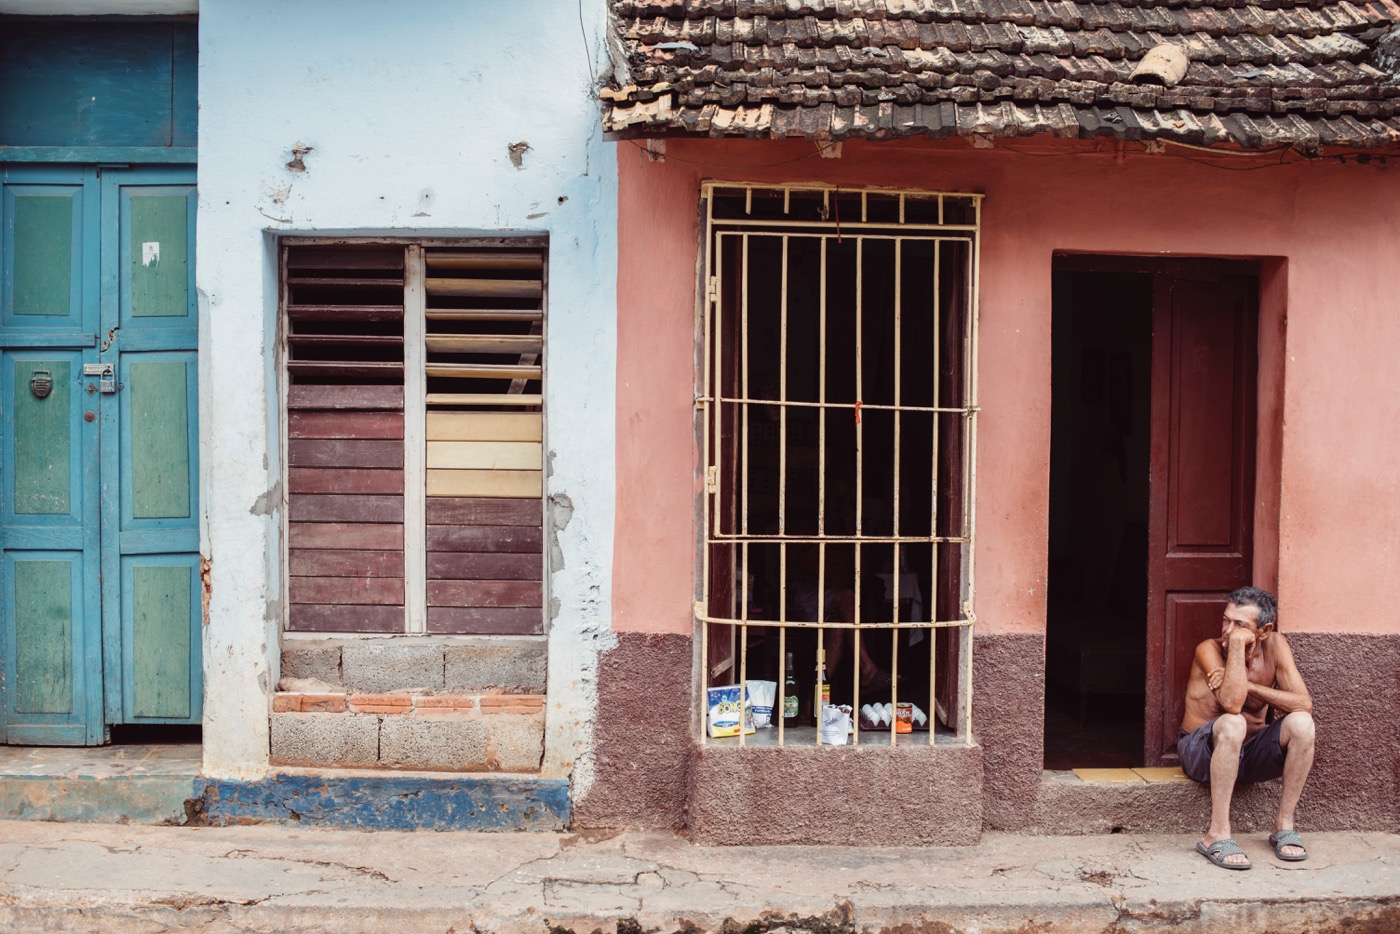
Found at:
[1235, 680]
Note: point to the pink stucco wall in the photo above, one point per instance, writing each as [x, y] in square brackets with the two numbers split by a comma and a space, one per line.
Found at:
[1329, 477]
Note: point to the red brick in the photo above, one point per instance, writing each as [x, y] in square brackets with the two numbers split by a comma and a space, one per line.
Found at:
[446, 702]
[512, 703]
[286, 703]
[381, 703]
[323, 703]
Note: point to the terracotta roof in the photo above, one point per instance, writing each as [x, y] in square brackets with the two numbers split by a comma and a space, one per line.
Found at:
[1261, 72]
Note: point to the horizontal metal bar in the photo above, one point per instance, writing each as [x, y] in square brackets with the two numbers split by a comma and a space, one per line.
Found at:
[919, 194]
[832, 624]
[843, 229]
[850, 406]
[758, 538]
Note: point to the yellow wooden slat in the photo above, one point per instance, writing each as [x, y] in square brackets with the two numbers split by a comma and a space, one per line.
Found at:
[485, 455]
[485, 426]
[483, 371]
[484, 343]
[485, 288]
[484, 314]
[519, 484]
[485, 398]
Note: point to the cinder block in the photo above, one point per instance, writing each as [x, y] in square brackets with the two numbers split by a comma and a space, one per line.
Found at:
[433, 743]
[517, 741]
[325, 739]
[376, 667]
[515, 665]
[319, 660]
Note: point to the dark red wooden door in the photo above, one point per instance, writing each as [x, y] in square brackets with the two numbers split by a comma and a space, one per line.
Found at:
[1201, 509]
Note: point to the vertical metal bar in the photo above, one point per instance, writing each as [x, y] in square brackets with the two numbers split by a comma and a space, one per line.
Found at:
[935, 546]
[711, 426]
[780, 701]
[782, 393]
[970, 491]
[895, 570]
[821, 394]
[744, 394]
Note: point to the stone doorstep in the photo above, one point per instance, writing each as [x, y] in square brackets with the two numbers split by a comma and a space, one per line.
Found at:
[412, 738]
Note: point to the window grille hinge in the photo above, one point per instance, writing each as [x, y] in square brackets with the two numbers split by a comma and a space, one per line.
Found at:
[712, 290]
[711, 479]
[699, 609]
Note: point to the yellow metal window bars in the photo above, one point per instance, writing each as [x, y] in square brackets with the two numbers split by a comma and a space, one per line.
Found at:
[837, 394]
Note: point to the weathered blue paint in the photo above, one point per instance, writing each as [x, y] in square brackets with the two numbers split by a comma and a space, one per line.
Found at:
[81, 83]
[392, 802]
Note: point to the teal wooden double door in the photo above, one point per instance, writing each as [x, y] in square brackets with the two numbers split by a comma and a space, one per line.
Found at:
[100, 569]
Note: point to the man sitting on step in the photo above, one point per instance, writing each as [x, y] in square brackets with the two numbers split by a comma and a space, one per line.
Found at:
[1235, 682]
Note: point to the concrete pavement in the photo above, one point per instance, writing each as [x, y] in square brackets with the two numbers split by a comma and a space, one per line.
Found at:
[110, 878]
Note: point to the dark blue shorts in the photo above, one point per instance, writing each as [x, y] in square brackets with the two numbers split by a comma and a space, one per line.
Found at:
[1261, 756]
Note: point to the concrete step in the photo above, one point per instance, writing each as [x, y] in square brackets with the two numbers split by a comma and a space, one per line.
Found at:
[145, 784]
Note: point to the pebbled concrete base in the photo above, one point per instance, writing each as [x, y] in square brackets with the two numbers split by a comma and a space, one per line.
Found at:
[83, 878]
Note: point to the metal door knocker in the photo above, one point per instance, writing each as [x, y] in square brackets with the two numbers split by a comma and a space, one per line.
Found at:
[41, 383]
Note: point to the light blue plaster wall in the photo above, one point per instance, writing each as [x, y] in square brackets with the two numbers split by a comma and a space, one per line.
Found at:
[409, 110]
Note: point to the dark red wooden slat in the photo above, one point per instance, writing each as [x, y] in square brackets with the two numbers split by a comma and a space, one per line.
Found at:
[337, 480]
[478, 510]
[344, 563]
[342, 371]
[308, 507]
[341, 618]
[380, 590]
[367, 313]
[490, 538]
[345, 397]
[345, 425]
[347, 535]
[345, 452]
[344, 257]
[485, 593]
[496, 621]
[460, 566]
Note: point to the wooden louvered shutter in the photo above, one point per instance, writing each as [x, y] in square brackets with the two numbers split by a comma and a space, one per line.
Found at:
[345, 426]
[483, 346]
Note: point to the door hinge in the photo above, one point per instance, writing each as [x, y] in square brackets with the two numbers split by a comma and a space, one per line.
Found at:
[712, 290]
[711, 479]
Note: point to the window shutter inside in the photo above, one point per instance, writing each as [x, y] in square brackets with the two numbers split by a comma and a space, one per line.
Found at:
[484, 348]
[345, 428]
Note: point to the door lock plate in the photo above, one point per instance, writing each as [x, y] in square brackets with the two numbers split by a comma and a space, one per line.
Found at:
[106, 374]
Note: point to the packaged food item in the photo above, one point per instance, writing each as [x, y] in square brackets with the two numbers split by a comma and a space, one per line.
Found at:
[835, 725]
[728, 709]
[761, 694]
[904, 717]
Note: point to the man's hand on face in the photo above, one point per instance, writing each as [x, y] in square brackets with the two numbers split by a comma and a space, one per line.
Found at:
[1215, 679]
[1241, 638]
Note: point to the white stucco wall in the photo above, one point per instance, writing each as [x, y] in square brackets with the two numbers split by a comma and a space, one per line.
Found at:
[409, 109]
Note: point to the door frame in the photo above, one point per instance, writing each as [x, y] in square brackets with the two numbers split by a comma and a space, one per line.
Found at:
[102, 614]
[1271, 273]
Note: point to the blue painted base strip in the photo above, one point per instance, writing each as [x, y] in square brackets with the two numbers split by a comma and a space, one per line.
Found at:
[391, 802]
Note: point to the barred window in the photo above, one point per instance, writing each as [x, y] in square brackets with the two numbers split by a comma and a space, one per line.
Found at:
[839, 423]
[415, 425]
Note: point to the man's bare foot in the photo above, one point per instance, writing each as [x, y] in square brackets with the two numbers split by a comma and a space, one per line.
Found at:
[1225, 853]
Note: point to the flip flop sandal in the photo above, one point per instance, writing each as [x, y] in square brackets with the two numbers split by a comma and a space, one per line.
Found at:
[1283, 838]
[1220, 849]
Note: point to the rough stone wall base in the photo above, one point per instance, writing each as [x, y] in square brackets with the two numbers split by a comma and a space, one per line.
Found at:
[858, 796]
[472, 706]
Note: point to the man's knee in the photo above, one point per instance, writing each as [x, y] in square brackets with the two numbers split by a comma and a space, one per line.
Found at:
[1300, 727]
[1229, 729]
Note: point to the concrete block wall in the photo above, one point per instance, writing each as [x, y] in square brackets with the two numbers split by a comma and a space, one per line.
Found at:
[461, 706]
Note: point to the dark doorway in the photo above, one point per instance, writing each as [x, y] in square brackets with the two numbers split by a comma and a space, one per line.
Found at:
[1152, 493]
[1099, 457]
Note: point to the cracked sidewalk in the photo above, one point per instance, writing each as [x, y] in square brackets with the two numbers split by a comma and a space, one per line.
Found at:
[110, 878]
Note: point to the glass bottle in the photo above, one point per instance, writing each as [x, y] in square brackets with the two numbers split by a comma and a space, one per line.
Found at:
[790, 695]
